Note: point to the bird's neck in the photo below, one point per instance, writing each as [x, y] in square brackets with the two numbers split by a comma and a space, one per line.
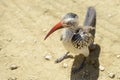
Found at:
[67, 34]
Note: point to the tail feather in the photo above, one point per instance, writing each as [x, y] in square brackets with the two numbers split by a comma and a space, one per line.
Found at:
[90, 19]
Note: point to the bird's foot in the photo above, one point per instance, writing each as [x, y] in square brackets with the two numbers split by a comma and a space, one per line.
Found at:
[78, 68]
[63, 57]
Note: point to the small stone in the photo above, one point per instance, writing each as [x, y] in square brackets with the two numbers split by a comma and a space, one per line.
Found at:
[101, 68]
[12, 78]
[111, 75]
[118, 56]
[109, 15]
[10, 39]
[65, 65]
[44, 30]
[13, 67]
[48, 57]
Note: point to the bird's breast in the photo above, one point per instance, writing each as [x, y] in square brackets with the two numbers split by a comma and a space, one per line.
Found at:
[69, 46]
[73, 43]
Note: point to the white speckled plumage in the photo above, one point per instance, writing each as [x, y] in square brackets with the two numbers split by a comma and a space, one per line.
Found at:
[67, 36]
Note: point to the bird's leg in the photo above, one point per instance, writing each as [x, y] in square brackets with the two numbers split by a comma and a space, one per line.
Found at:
[78, 68]
[62, 57]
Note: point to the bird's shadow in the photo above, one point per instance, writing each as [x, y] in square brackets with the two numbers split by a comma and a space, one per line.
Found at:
[90, 70]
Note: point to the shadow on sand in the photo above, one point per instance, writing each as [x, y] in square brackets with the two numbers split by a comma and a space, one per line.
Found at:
[90, 70]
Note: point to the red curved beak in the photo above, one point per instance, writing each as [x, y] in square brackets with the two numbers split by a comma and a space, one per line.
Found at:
[56, 27]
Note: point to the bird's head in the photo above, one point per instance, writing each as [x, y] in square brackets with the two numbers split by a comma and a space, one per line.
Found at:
[70, 20]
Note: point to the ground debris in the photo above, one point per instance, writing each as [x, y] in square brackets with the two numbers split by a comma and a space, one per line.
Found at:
[13, 67]
[111, 75]
[44, 30]
[118, 56]
[48, 57]
[65, 65]
[101, 68]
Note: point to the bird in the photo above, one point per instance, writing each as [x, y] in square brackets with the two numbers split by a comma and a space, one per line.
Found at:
[76, 39]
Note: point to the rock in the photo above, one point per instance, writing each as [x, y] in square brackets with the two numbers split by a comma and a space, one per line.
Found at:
[48, 57]
[118, 56]
[111, 75]
[101, 68]
[13, 67]
[44, 30]
[65, 65]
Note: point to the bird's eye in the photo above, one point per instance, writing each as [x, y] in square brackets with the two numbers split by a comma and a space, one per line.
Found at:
[69, 23]
[83, 32]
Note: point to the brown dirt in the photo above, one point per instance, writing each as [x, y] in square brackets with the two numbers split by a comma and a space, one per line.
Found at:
[24, 24]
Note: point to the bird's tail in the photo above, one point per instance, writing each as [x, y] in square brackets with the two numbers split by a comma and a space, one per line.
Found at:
[90, 19]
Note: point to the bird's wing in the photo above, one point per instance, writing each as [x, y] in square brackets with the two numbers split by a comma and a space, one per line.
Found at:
[82, 38]
[77, 41]
[90, 19]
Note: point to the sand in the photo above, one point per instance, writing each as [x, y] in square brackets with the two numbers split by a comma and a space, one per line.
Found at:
[24, 24]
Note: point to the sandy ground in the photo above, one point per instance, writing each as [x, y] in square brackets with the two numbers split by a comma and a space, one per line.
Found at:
[24, 24]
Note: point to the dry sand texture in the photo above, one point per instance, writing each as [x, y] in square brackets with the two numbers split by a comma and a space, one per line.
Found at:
[24, 24]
